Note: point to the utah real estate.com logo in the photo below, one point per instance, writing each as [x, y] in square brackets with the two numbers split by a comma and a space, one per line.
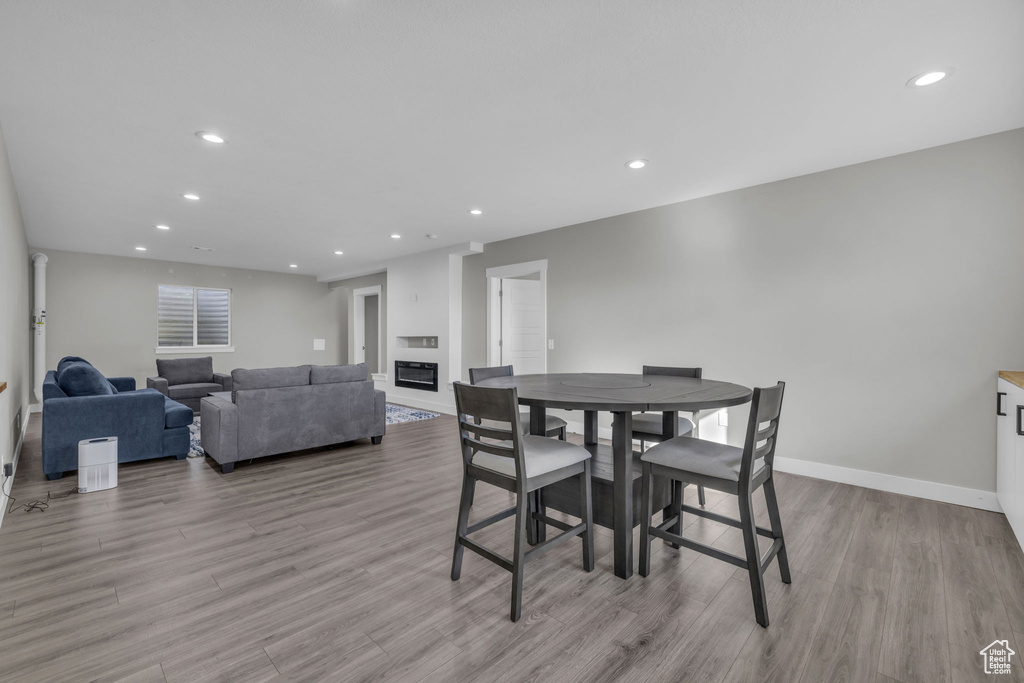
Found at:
[997, 657]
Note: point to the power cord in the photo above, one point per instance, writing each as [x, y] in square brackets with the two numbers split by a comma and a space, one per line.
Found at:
[37, 505]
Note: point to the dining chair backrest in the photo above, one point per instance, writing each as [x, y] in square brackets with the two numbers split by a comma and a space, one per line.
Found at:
[499, 407]
[675, 372]
[477, 375]
[765, 409]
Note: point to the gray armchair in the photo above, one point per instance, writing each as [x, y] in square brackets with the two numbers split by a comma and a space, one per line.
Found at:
[188, 380]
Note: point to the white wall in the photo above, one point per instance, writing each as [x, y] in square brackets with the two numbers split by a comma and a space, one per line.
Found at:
[104, 308]
[15, 321]
[887, 294]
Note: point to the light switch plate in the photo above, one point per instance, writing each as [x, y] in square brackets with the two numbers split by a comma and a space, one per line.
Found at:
[319, 344]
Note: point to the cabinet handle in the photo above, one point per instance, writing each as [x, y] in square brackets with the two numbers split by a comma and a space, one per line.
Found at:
[1020, 413]
[999, 403]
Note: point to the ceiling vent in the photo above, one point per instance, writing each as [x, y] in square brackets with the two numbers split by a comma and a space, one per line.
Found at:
[202, 248]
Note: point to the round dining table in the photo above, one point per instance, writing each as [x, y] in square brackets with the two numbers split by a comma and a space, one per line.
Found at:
[621, 395]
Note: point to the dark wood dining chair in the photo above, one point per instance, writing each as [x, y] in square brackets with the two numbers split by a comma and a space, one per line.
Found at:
[520, 463]
[649, 426]
[553, 426]
[737, 471]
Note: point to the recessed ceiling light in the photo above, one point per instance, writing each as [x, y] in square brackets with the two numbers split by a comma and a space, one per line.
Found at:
[140, 249]
[431, 236]
[210, 137]
[636, 164]
[396, 236]
[338, 253]
[292, 265]
[163, 227]
[929, 77]
[475, 212]
[189, 195]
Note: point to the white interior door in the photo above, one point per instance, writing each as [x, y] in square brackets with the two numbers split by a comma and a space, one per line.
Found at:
[522, 326]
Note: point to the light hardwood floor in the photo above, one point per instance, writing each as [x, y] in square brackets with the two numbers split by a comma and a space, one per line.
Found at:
[333, 565]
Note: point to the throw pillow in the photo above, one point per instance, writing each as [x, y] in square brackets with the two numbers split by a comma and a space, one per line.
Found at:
[82, 379]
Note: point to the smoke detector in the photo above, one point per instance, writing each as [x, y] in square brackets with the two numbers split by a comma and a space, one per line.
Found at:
[203, 248]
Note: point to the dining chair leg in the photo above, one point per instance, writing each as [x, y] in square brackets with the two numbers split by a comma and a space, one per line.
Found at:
[776, 524]
[472, 491]
[519, 555]
[647, 519]
[561, 434]
[531, 524]
[587, 513]
[753, 556]
[700, 495]
[542, 509]
[675, 509]
[463, 524]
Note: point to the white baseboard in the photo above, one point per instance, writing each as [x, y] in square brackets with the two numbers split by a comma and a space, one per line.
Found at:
[417, 402]
[917, 488]
[35, 407]
[14, 461]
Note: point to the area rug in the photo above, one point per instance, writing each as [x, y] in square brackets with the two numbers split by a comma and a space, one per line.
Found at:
[399, 414]
[394, 415]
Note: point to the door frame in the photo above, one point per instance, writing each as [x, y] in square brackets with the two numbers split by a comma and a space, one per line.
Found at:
[359, 326]
[494, 276]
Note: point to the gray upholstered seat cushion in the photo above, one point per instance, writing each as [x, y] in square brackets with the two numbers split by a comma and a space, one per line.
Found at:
[708, 458]
[197, 390]
[542, 455]
[185, 370]
[270, 378]
[328, 374]
[650, 423]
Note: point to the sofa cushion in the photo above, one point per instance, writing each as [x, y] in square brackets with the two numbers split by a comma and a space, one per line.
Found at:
[68, 360]
[82, 379]
[329, 374]
[176, 415]
[185, 370]
[269, 378]
[197, 390]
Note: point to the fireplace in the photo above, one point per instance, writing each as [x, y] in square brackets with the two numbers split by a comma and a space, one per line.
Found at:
[414, 375]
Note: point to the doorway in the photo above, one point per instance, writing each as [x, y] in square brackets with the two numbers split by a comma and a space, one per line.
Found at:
[517, 317]
[366, 327]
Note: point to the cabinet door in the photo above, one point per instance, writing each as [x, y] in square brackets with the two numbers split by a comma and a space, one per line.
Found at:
[1017, 514]
[1006, 449]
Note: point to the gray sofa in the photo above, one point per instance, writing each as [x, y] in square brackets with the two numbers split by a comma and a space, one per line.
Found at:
[280, 410]
[188, 380]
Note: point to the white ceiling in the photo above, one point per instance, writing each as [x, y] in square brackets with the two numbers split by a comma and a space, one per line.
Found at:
[349, 120]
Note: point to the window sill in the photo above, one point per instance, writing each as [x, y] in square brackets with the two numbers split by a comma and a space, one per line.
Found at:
[194, 349]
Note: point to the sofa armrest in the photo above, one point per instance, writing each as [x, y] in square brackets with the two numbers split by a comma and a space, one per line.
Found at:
[219, 432]
[223, 380]
[158, 383]
[122, 383]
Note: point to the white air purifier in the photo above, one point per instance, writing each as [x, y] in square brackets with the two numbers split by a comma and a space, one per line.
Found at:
[97, 464]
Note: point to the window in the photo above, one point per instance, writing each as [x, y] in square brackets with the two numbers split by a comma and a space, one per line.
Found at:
[193, 318]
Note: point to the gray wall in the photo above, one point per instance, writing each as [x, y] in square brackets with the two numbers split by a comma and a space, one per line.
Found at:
[886, 294]
[344, 289]
[15, 319]
[104, 308]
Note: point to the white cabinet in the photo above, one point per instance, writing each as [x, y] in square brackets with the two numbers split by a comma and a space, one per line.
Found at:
[1010, 454]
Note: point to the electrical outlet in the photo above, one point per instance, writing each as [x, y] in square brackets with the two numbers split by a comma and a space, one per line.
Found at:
[551, 344]
[8, 469]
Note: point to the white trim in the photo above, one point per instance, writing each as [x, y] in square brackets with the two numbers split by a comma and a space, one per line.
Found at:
[494, 276]
[416, 402]
[194, 349]
[35, 407]
[14, 461]
[379, 376]
[916, 488]
[359, 323]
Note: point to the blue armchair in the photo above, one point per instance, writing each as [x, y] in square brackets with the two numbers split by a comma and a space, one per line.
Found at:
[146, 423]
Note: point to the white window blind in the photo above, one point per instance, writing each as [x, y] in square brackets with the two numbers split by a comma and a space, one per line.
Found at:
[190, 317]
